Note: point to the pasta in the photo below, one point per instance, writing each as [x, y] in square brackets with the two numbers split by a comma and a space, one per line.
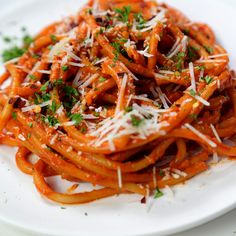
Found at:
[129, 96]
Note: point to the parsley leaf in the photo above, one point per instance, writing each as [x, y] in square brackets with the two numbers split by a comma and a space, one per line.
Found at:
[33, 77]
[53, 38]
[51, 120]
[207, 79]
[209, 49]
[65, 68]
[123, 14]
[44, 87]
[53, 107]
[200, 67]
[192, 92]
[140, 20]
[180, 58]
[158, 193]
[77, 118]
[102, 79]
[128, 109]
[14, 115]
[27, 39]
[70, 91]
[58, 82]
[136, 121]
[12, 53]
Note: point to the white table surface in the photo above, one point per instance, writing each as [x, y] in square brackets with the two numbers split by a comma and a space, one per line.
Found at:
[223, 226]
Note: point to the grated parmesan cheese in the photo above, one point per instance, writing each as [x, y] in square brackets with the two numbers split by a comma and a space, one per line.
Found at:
[215, 133]
[119, 175]
[200, 135]
[32, 107]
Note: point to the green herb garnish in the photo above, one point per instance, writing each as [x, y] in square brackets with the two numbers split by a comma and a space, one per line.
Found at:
[53, 38]
[33, 77]
[30, 124]
[180, 58]
[51, 120]
[53, 107]
[102, 79]
[192, 92]
[136, 121]
[123, 14]
[140, 20]
[12, 53]
[77, 118]
[14, 115]
[128, 109]
[158, 193]
[209, 49]
[27, 40]
[44, 87]
[65, 68]
[207, 79]
[200, 67]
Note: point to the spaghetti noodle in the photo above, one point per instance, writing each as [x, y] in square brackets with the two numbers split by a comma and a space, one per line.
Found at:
[130, 96]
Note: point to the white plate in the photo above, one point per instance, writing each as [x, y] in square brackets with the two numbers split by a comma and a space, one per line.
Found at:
[200, 200]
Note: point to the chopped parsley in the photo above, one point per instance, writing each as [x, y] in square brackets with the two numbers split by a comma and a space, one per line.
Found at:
[200, 67]
[207, 79]
[27, 40]
[193, 116]
[41, 98]
[53, 107]
[58, 82]
[118, 50]
[136, 121]
[192, 53]
[70, 91]
[158, 193]
[89, 11]
[69, 95]
[53, 38]
[15, 51]
[30, 124]
[12, 53]
[180, 58]
[35, 56]
[7, 39]
[161, 173]
[51, 120]
[33, 77]
[46, 97]
[83, 130]
[102, 79]
[44, 87]
[77, 118]
[123, 14]
[140, 20]
[14, 115]
[65, 68]
[192, 92]
[128, 109]
[209, 49]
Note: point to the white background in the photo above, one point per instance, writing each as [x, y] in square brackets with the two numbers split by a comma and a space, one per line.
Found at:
[223, 226]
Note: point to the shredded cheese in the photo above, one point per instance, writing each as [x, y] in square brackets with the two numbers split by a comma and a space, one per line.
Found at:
[215, 133]
[192, 76]
[200, 135]
[32, 107]
[119, 175]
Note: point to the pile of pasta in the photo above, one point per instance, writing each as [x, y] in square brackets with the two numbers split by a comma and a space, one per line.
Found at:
[130, 96]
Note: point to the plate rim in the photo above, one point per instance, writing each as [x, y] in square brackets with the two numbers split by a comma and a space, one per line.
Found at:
[177, 229]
